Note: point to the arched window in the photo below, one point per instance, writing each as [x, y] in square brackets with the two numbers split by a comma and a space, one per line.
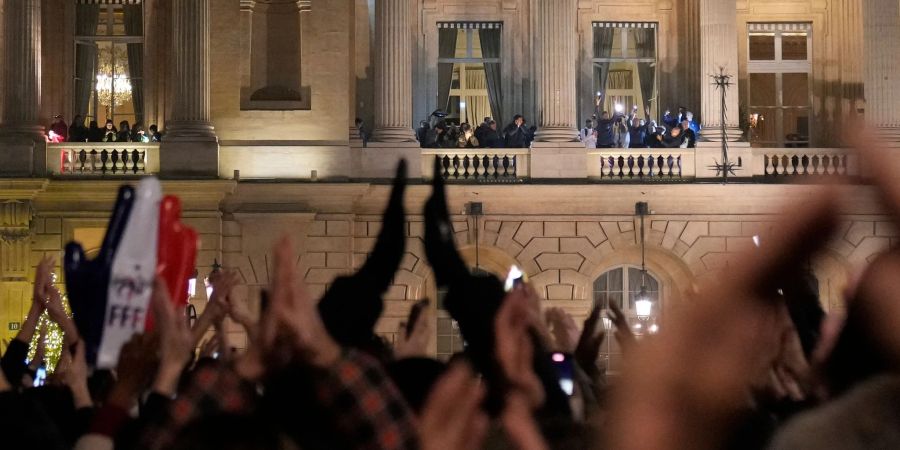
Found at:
[622, 287]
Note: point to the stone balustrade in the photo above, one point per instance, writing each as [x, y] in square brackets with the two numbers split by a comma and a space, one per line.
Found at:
[641, 164]
[336, 164]
[104, 159]
[478, 165]
[773, 163]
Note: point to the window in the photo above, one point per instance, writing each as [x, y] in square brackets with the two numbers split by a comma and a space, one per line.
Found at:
[621, 286]
[469, 75]
[780, 69]
[109, 61]
[624, 65]
[275, 31]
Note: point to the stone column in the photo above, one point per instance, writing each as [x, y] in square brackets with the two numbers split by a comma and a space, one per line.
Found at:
[190, 146]
[557, 47]
[718, 49]
[20, 124]
[881, 19]
[393, 71]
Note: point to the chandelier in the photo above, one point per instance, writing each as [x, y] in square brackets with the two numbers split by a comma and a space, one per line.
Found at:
[113, 85]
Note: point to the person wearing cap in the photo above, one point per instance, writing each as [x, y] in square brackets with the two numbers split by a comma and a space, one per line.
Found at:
[60, 128]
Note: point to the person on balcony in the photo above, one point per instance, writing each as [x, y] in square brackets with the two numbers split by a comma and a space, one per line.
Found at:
[492, 137]
[482, 130]
[689, 135]
[110, 133]
[124, 134]
[155, 135]
[59, 128]
[77, 131]
[674, 139]
[138, 134]
[467, 137]
[515, 134]
[438, 137]
[673, 121]
[637, 133]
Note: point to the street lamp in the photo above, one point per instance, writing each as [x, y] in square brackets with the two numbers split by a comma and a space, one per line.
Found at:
[216, 268]
[643, 305]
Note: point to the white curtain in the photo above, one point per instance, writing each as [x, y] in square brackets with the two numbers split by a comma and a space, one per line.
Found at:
[477, 107]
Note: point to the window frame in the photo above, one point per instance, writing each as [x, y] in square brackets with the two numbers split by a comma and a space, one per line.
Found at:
[615, 95]
[779, 67]
[470, 28]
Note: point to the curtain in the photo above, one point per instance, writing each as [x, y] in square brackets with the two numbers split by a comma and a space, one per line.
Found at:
[603, 42]
[87, 18]
[644, 39]
[134, 26]
[446, 49]
[490, 48]
[477, 106]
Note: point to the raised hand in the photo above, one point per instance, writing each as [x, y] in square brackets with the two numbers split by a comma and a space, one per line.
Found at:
[137, 364]
[588, 348]
[175, 341]
[452, 417]
[685, 387]
[295, 312]
[415, 344]
[623, 334]
[515, 348]
[362, 292]
[563, 329]
[76, 376]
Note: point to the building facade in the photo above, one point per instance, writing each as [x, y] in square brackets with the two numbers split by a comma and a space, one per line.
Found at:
[259, 101]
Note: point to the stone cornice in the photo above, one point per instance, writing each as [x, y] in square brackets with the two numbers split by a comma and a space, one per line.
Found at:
[21, 189]
[99, 195]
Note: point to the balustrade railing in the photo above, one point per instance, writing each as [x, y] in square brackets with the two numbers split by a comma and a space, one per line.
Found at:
[779, 163]
[102, 159]
[478, 165]
[637, 164]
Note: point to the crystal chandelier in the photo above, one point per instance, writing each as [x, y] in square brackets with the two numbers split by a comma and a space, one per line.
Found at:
[113, 85]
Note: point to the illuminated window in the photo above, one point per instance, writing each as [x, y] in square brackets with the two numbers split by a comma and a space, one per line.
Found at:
[780, 72]
[621, 286]
[109, 61]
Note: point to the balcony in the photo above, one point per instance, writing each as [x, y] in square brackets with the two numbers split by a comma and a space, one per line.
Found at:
[345, 163]
[102, 159]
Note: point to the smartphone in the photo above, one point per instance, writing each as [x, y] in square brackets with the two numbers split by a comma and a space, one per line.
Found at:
[40, 376]
[514, 279]
[414, 313]
[563, 364]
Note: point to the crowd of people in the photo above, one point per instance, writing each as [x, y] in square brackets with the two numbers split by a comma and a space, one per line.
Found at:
[517, 134]
[749, 361]
[629, 131]
[77, 132]
[602, 130]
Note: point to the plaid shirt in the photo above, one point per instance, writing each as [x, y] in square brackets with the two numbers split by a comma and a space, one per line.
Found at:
[213, 390]
[370, 410]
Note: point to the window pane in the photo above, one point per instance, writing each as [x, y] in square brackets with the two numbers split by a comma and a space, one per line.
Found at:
[617, 51]
[763, 129]
[641, 43]
[796, 127]
[603, 41]
[762, 89]
[762, 47]
[794, 47]
[795, 88]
